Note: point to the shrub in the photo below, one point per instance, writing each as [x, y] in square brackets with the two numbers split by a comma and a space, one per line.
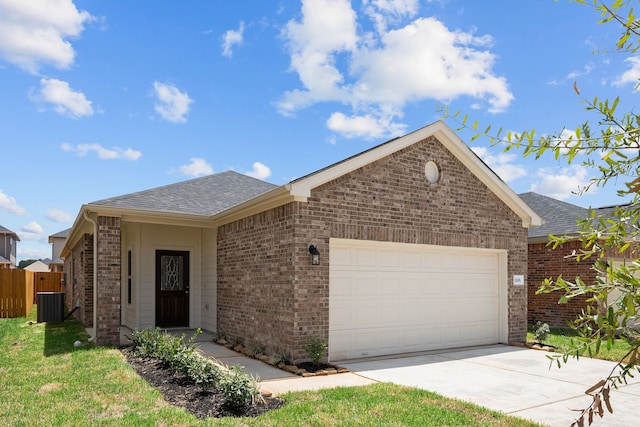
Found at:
[237, 387]
[315, 348]
[541, 331]
[206, 374]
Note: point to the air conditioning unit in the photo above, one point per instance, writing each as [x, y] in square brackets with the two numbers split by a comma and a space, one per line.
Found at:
[50, 306]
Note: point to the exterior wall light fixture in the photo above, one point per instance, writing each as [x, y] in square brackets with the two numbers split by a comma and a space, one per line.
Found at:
[315, 255]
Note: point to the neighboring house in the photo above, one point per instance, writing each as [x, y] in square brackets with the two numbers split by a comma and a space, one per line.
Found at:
[57, 243]
[412, 245]
[37, 266]
[560, 219]
[8, 248]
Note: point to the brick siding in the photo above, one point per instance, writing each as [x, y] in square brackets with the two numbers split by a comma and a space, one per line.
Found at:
[388, 200]
[108, 290]
[545, 262]
[79, 280]
[548, 263]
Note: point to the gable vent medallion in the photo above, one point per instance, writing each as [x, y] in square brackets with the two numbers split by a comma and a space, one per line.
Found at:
[432, 172]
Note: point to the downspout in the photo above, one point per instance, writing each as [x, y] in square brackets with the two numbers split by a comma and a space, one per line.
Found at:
[95, 274]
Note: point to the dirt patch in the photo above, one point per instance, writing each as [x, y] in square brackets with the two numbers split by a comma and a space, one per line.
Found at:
[181, 391]
[48, 388]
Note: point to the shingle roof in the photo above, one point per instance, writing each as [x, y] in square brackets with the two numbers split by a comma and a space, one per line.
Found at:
[559, 217]
[4, 230]
[207, 195]
[63, 233]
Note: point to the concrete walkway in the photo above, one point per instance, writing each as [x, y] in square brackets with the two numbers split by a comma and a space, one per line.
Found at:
[512, 380]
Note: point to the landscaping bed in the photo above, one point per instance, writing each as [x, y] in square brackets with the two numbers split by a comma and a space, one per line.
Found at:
[304, 369]
[187, 379]
[180, 390]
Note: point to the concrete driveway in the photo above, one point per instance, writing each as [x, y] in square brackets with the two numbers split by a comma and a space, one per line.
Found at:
[513, 380]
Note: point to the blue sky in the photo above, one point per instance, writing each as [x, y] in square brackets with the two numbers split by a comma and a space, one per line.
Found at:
[102, 98]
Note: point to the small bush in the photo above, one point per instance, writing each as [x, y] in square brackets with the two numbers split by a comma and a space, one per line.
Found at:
[205, 374]
[237, 387]
[315, 348]
[541, 331]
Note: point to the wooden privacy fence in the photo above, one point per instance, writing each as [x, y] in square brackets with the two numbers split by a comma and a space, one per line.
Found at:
[18, 290]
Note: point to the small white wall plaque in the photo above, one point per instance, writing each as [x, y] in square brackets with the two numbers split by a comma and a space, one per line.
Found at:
[518, 280]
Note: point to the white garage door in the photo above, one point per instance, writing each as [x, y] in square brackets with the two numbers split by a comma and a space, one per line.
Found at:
[390, 298]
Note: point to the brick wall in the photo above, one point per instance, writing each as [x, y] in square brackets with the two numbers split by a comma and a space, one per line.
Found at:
[256, 277]
[269, 294]
[108, 289]
[545, 262]
[78, 270]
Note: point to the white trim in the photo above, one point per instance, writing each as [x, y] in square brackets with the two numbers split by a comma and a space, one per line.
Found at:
[302, 188]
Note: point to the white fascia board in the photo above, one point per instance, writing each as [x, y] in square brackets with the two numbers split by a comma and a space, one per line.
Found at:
[74, 233]
[271, 199]
[462, 151]
[303, 187]
[451, 141]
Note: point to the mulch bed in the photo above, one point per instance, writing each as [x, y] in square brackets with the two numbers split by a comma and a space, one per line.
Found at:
[181, 391]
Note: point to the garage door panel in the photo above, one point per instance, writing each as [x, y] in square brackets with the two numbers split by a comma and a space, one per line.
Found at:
[394, 298]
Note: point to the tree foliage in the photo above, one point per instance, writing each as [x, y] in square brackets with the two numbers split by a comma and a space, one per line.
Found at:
[608, 142]
[25, 263]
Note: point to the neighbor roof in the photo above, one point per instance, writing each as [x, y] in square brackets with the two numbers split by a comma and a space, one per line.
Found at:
[4, 230]
[559, 217]
[61, 234]
[207, 195]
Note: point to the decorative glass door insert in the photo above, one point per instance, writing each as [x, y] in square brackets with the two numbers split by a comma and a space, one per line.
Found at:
[172, 288]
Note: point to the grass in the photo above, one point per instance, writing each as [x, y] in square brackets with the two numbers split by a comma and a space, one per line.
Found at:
[561, 339]
[45, 381]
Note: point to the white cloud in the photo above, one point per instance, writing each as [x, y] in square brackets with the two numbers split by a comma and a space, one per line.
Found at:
[386, 12]
[173, 105]
[632, 75]
[57, 215]
[560, 184]
[232, 38]
[260, 171]
[575, 74]
[66, 101]
[113, 153]
[377, 73]
[31, 231]
[366, 126]
[9, 204]
[197, 167]
[33, 253]
[502, 164]
[35, 32]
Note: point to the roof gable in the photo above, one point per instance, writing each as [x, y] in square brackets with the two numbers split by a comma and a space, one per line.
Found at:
[301, 188]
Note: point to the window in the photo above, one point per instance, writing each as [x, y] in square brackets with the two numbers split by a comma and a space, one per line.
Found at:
[129, 277]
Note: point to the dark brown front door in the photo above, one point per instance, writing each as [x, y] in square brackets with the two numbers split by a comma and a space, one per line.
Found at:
[172, 288]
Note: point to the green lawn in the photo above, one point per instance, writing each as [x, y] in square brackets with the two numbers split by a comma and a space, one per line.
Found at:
[45, 381]
[561, 339]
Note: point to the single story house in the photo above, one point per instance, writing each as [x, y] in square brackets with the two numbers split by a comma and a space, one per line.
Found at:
[37, 266]
[412, 245]
[560, 219]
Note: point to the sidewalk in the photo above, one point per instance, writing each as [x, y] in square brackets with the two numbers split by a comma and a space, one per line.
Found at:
[512, 380]
[274, 380]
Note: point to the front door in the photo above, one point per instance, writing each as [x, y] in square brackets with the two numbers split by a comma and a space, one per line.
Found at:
[172, 289]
